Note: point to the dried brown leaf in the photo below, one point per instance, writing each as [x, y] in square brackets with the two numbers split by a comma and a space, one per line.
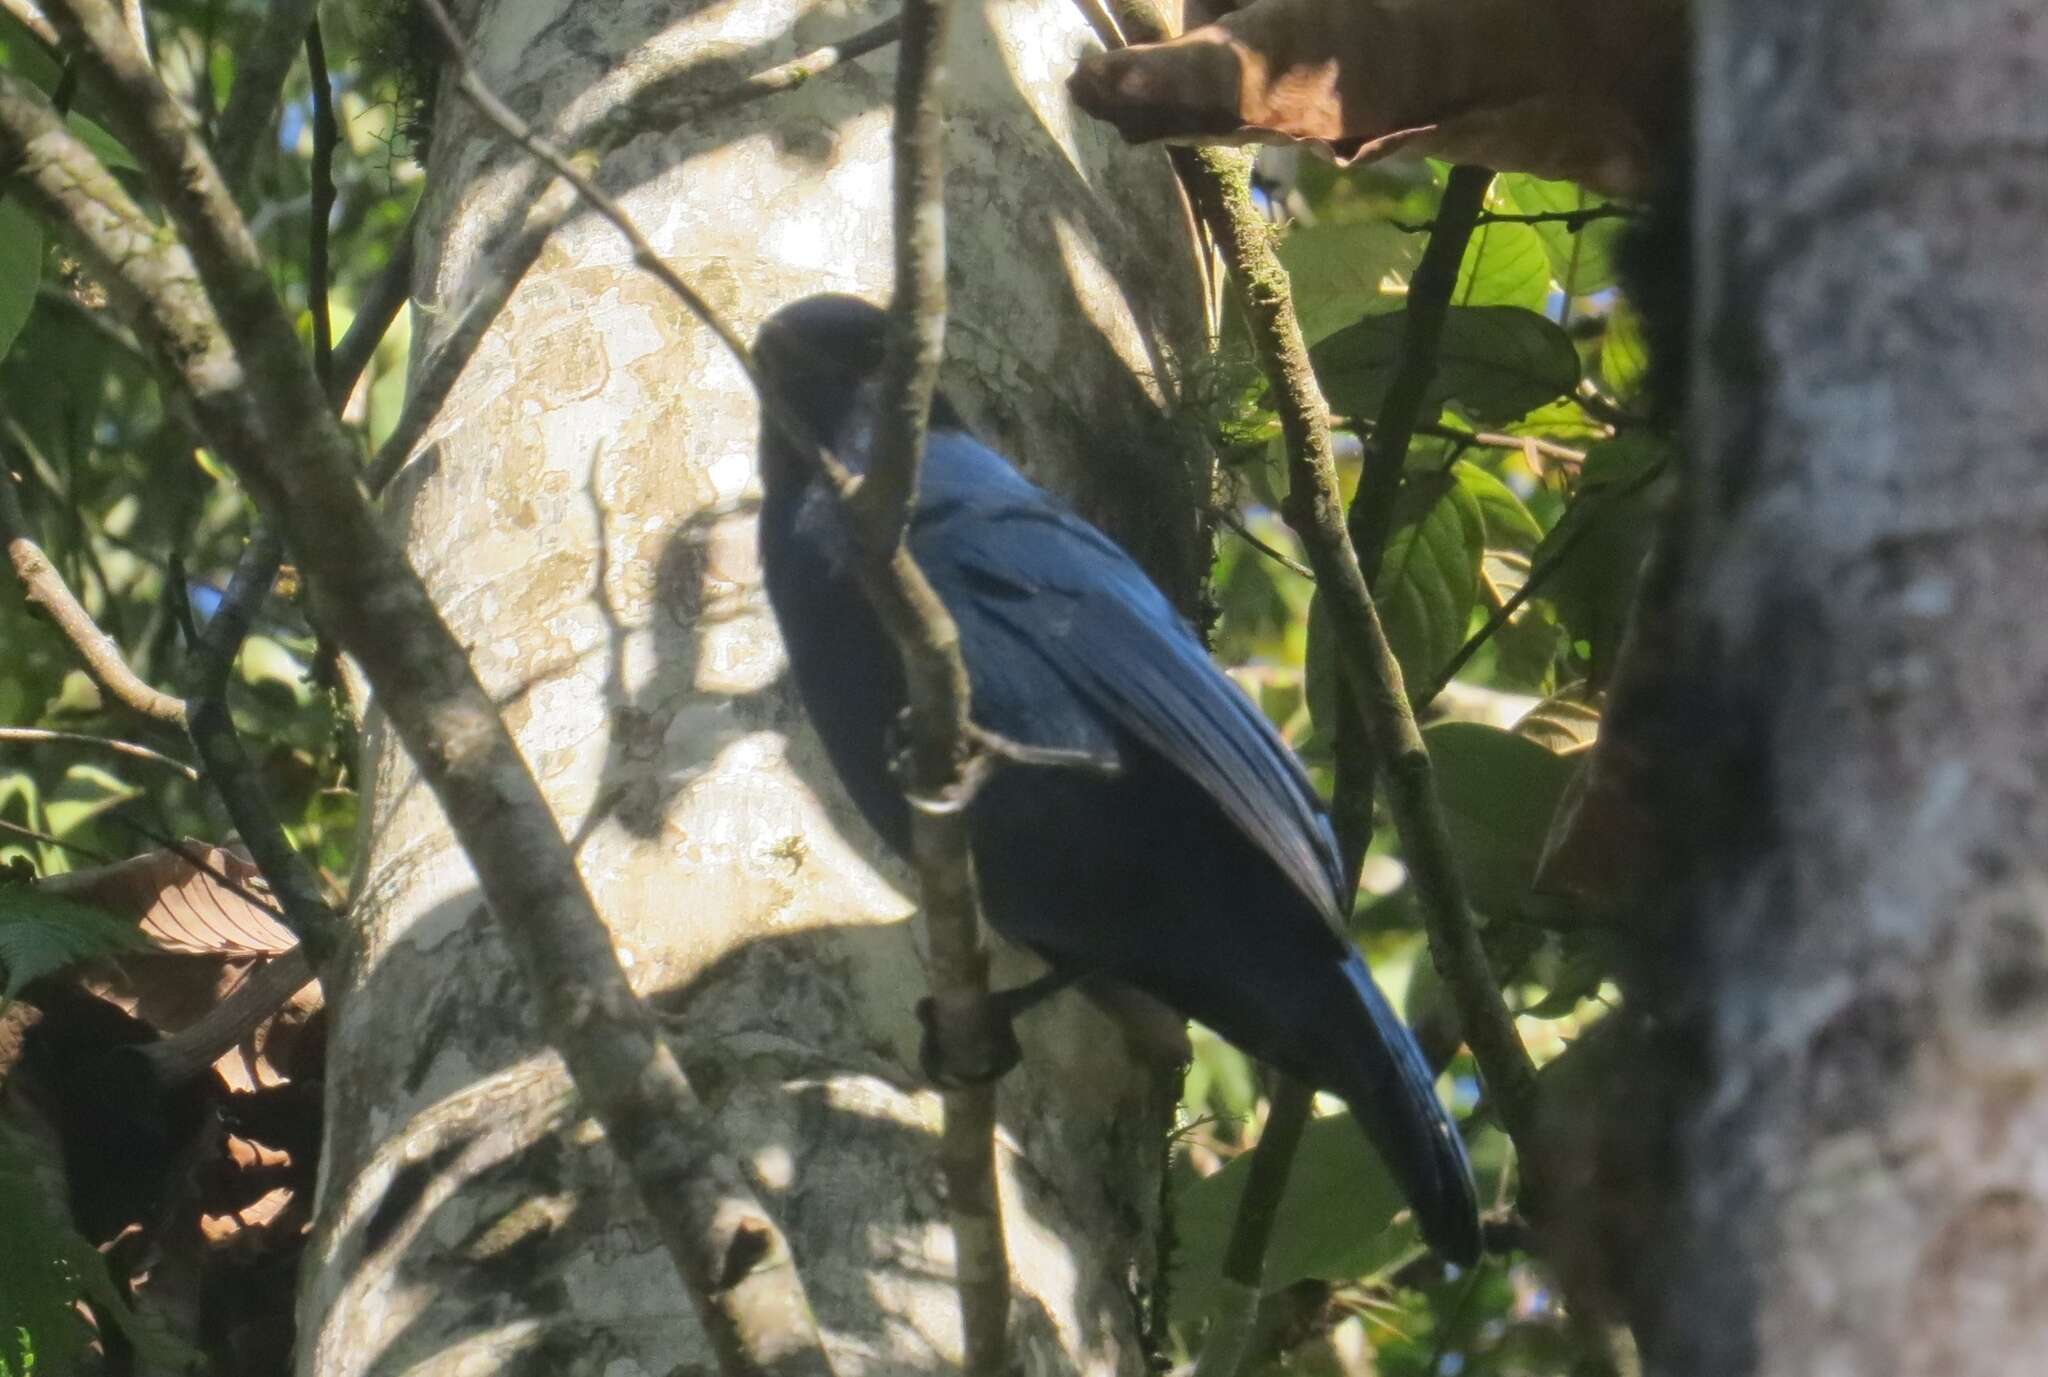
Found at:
[179, 906]
[1588, 90]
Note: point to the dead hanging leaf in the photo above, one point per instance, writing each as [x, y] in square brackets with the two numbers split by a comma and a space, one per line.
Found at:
[182, 907]
[1586, 90]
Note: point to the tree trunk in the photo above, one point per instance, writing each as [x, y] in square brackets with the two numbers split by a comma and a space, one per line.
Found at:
[584, 518]
[1865, 1175]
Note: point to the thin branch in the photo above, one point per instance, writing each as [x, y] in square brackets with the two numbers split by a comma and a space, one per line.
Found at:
[206, 310]
[32, 834]
[1233, 1321]
[1573, 220]
[260, 71]
[1492, 439]
[1314, 507]
[262, 993]
[1229, 517]
[1371, 520]
[42, 736]
[1370, 670]
[376, 310]
[788, 76]
[233, 772]
[161, 838]
[942, 754]
[325, 136]
[137, 20]
[668, 96]
[1505, 613]
[434, 380]
[45, 588]
[30, 17]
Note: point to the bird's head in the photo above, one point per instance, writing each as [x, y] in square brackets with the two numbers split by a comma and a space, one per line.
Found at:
[820, 358]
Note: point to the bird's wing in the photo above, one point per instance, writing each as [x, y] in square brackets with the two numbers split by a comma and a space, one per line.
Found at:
[1009, 559]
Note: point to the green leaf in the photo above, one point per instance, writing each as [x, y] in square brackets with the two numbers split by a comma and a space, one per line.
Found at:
[85, 792]
[23, 55]
[1429, 579]
[1564, 421]
[40, 1269]
[1496, 362]
[1341, 271]
[1333, 1221]
[1499, 791]
[111, 152]
[1509, 526]
[1505, 265]
[47, 1267]
[1220, 1078]
[1582, 261]
[1428, 585]
[43, 933]
[21, 269]
[1608, 526]
[1624, 354]
[1623, 460]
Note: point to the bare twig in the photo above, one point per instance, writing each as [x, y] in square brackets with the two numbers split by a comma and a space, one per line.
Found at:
[668, 97]
[45, 587]
[221, 640]
[260, 71]
[785, 76]
[1314, 508]
[374, 313]
[1505, 613]
[200, 862]
[35, 835]
[941, 733]
[1234, 1319]
[1229, 517]
[231, 770]
[1492, 439]
[325, 137]
[205, 309]
[27, 14]
[42, 736]
[1371, 520]
[1573, 220]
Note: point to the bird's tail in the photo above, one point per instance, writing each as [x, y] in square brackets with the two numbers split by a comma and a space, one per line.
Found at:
[1392, 1095]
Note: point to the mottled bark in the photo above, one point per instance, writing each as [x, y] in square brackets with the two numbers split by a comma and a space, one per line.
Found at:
[583, 516]
[1865, 1174]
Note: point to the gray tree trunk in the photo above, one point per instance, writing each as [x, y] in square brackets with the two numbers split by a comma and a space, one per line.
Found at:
[1866, 1177]
[584, 517]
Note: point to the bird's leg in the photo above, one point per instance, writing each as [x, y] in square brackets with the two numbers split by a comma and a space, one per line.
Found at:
[980, 1041]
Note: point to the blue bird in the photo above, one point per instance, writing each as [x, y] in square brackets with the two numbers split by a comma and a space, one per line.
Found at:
[1198, 868]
